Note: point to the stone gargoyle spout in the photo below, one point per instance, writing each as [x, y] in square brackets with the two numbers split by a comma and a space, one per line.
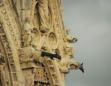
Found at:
[66, 65]
[76, 65]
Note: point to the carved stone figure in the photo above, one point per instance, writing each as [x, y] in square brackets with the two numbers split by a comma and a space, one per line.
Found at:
[35, 47]
[44, 14]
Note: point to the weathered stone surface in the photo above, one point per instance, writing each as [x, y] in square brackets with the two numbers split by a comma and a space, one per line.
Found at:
[27, 29]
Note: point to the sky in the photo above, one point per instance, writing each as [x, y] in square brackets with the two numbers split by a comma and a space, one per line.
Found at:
[90, 22]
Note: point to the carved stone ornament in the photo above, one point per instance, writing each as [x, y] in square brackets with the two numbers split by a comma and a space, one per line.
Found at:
[35, 47]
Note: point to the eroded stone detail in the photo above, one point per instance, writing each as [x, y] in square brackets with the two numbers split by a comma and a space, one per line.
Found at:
[37, 50]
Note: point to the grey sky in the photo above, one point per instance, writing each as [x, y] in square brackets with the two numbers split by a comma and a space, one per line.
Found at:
[90, 22]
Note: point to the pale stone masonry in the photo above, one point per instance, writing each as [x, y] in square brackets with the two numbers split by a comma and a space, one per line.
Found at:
[35, 48]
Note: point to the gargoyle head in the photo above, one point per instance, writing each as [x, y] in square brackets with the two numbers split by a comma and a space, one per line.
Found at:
[75, 65]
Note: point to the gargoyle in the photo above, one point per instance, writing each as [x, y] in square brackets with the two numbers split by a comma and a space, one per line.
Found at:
[66, 65]
[71, 39]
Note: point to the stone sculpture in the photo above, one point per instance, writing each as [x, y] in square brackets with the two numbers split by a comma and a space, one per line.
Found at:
[35, 48]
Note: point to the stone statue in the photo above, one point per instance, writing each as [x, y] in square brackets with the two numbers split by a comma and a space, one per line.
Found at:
[44, 14]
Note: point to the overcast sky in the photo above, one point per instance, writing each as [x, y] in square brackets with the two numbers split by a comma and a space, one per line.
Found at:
[90, 22]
